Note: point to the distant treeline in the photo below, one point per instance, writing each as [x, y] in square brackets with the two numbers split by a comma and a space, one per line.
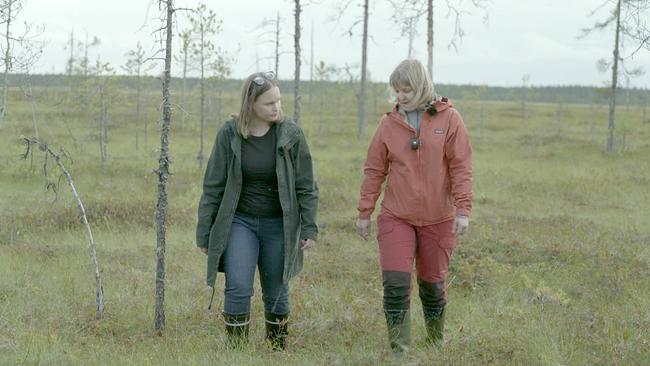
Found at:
[572, 94]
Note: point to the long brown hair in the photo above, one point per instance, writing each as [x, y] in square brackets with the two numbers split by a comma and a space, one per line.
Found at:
[250, 92]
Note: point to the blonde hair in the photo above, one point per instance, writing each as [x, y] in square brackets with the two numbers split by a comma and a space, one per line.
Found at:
[411, 73]
[249, 94]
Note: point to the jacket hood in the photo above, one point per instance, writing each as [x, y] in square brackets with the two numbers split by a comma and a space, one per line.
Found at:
[439, 104]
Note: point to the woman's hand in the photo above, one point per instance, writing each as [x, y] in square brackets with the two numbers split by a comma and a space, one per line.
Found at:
[461, 222]
[203, 250]
[363, 228]
[307, 244]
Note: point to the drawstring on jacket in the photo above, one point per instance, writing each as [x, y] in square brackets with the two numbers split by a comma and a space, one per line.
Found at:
[211, 298]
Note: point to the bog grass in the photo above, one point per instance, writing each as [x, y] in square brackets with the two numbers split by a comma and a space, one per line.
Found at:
[555, 269]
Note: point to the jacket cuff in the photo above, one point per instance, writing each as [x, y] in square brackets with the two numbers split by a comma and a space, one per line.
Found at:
[202, 243]
[365, 214]
[464, 212]
[308, 234]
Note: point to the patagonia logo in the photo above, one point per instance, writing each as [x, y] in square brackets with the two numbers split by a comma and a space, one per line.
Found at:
[439, 131]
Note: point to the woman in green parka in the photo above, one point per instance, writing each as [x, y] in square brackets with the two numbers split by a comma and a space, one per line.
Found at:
[258, 209]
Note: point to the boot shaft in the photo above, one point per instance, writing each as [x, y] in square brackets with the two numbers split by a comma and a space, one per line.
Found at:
[277, 330]
[237, 328]
[435, 324]
[399, 330]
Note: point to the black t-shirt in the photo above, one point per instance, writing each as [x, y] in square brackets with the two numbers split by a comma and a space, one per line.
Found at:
[259, 194]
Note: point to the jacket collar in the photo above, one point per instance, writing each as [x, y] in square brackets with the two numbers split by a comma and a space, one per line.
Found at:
[440, 104]
[286, 135]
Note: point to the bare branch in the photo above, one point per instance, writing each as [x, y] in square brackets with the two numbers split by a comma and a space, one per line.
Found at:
[49, 153]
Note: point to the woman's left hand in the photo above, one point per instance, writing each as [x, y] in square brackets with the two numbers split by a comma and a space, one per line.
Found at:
[307, 244]
[461, 222]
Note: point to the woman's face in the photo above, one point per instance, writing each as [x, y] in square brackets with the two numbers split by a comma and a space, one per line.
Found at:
[267, 106]
[405, 96]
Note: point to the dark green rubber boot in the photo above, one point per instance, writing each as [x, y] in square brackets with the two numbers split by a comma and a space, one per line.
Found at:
[237, 329]
[277, 330]
[399, 330]
[435, 324]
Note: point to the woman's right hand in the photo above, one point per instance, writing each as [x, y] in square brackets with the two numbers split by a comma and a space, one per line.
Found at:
[363, 228]
[203, 250]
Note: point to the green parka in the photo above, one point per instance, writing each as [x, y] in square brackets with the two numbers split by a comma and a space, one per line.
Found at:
[222, 184]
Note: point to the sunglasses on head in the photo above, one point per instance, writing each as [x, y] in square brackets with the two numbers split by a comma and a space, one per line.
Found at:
[261, 79]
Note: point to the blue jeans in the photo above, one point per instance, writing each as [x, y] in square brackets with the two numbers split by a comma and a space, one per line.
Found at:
[255, 241]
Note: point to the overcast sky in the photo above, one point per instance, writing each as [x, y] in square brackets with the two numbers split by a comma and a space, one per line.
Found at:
[536, 37]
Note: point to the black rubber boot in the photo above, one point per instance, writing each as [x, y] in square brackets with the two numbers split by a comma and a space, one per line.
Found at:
[237, 329]
[433, 306]
[399, 330]
[435, 324]
[277, 330]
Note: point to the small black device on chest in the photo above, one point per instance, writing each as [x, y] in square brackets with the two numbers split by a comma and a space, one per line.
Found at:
[415, 142]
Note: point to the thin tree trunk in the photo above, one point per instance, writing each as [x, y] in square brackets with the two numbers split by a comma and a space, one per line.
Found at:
[645, 107]
[201, 157]
[364, 64]
[612, 96]
[99, 289]
[481, 122]
[430, 38]
[411, 34]
[102, 127]
[30, 97]
[311, 63]
[558, 118]
[70, 69]
[163, 174]
[321, 119]
[137, 112]
[146, 130]
[3, 108]
[184, 87]
[296, 79]
[219, 107]
[592, 111]
[277, 45]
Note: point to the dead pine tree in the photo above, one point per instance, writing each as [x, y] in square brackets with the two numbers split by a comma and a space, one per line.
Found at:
[559, 111]
[361, 93]
[29, 95]
[27, 87]
[186, 41]
[69, 66]
[167, 13]
[267, 32]
[296, 48]
[58, 158]
[323, 74]
[277, 44]
[628, 19]
[364, 74]
[454, 8]
[135, 67]
[524, 96]
[645, 107]
[9, 11]
[210, 60]
[8, 19]
[311, 62]
[100, 80]
[408, 13]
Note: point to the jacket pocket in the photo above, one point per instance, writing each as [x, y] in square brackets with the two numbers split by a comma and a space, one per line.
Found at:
[447, 242]
[446, 237]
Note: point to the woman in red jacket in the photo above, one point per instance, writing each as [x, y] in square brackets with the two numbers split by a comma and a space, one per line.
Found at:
[423, 151]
